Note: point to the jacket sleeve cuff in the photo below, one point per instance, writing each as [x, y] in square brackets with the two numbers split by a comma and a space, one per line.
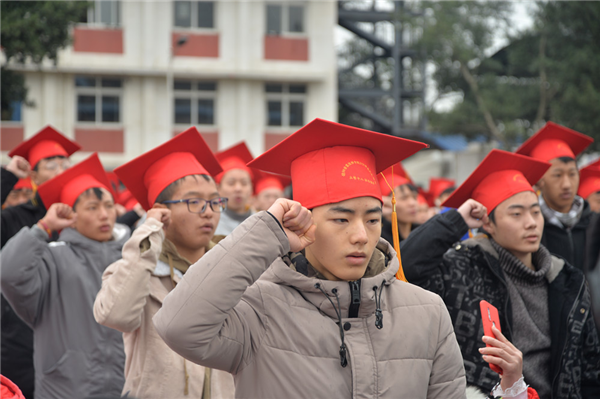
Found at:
[456, 222]
[39, 233]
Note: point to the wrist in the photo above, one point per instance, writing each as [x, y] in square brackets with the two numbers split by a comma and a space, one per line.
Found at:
[44, 226]
[518, 388]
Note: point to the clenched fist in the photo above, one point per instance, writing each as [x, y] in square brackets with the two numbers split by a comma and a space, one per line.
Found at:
[161, 214]
[297, 223]
[58, 217]
[19, 167]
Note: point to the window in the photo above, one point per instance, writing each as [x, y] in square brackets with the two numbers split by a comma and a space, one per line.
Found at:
[105, 12]
[194, 102]
[194, 14]
[285, 104]
[98, 99]
[12, 112]
[285, 18]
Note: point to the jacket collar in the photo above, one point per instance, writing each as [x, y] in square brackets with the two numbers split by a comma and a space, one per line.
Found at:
[281, 273]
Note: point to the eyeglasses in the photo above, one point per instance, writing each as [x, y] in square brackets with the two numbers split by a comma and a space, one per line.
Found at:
[53, 165]
[198, 205]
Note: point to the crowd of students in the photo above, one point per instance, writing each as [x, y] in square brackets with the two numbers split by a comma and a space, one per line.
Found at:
[188, 273]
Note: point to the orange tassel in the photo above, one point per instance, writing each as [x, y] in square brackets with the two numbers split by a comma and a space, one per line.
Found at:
[395, 233]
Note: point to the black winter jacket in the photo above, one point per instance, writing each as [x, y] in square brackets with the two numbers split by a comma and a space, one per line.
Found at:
[8, 181]
[463, 273]
[568, 244]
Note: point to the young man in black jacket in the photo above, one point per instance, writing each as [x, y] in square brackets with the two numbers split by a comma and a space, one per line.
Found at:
[566, 215]
[543, 302]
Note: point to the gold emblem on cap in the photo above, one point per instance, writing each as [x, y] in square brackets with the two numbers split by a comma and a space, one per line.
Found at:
[358, 178]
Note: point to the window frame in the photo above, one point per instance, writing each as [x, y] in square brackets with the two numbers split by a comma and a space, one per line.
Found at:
[94, 15]
[98, 91]
[285, 98]
[194, 17]
[194, 95]
[285, 18]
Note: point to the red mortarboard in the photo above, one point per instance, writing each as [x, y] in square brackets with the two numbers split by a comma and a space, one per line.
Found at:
[68, 186]
[554, 141]
[266, 180]
[437, 185]
[593, 165]
[330, 162]
[149, 174]
[498, 177]
[589, 180]
[395, 176]
[235, 157]
[46, 143]
[23, 183]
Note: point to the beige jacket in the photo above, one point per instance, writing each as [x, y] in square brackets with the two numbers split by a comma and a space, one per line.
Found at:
[133, 290]
[280, 336]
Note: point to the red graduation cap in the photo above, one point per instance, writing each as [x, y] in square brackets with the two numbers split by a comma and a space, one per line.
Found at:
[149, 174]
[235, 157]
[593, 165]
[68, 186]
[554, 141]
[498, 177]
[330, 162]
[437, 185]
[23, 183]
[266, 180]
[589, 180]
[395, 176]
[114, 182]
[46, 143]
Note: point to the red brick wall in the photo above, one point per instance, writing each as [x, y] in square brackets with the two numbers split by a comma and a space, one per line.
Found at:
[100, 140]
[286, 49]
[10, 137]
[211, 138]
[273, 138]
[197, 45]
[89, 40]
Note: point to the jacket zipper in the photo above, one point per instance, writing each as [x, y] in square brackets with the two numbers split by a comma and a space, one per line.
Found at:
[562, 353]
[501, 279]
[354, 299]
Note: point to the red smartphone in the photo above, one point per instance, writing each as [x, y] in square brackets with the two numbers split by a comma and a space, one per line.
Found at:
[489, 317]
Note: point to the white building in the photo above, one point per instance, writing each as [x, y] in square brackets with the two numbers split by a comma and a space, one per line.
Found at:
[139, 72]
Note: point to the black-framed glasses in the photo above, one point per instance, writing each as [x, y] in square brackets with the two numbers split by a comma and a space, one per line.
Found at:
[198, 205]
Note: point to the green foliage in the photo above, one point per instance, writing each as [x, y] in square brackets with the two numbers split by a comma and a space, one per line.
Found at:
[547, 73]
[30, 32]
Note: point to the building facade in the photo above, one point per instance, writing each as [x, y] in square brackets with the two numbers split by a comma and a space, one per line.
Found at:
[139, 72]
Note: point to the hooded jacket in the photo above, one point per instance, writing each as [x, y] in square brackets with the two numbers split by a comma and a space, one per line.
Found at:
[241, 308]
[463, 273]
[52, 287]
[133, 289]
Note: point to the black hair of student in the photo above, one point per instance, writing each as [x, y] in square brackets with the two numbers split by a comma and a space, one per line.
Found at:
[35, 168]
[492, 216]
[167, 193]
[448, 191]
[409, 186]
[566, 159]
[95, 190]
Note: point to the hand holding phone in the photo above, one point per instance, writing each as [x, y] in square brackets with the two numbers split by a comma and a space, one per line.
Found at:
[489, 317]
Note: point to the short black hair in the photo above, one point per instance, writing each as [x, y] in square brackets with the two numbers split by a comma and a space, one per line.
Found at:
[566, 159]
[448, 191]
[167, 193]
[492, 216]
[97, 191]
[410, 186]
[35, 168]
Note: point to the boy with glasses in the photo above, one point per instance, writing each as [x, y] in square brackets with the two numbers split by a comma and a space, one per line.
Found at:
[173, 183]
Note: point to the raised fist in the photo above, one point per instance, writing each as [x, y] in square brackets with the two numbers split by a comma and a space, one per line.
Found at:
[297, 223]
[58, 217]
[474, 213]
[19, 167]
[161, 214]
